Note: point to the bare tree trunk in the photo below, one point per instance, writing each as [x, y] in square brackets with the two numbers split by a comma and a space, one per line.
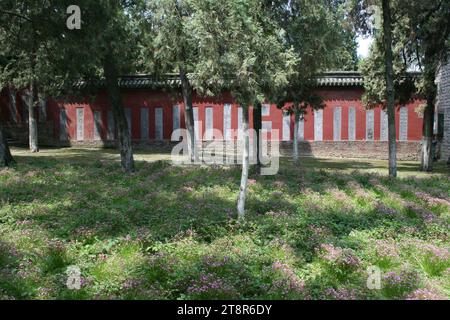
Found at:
[245, 164]
[124, 135]
[429, 75]
[257, 126]
[295, 145]
[188, 114]
[12, 104]
[6, 158]
[387, 30]
[427, 135]
[32, 123]
[427, 139]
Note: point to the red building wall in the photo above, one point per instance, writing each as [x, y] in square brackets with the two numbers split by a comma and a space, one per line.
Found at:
[344, 97]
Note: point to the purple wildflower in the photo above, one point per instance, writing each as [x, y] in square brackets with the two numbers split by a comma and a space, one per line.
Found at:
[212, 287]
[130, 284]
[426, 294]
[287, 282]
[386, 249]
[339, 256]
[341, 294]
[216, 262]
[397, 284]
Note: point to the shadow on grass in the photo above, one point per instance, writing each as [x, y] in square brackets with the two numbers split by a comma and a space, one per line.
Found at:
[82, 195]
[88, 193]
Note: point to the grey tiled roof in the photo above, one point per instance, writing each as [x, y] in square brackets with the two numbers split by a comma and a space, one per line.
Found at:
[340, 79]
[327, 79]
[149, 82]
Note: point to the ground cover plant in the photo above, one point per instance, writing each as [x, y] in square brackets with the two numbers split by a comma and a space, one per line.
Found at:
[169, 232]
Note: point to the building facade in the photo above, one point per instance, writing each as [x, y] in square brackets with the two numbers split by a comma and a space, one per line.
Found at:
[344, 128]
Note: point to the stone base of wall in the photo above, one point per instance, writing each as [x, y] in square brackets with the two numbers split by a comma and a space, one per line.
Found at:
[354, 149]
[335, 149]
[346, 149]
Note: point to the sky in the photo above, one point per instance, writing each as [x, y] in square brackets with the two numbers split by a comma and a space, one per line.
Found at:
[363, 46]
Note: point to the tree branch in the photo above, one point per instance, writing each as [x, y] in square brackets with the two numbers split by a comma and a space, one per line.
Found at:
[11, 13]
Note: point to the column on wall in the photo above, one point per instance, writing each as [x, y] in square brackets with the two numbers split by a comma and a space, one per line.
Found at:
[286, 126]
[337, 119]
[352, 124]
[227, 121]
[266, 124]
[159, 124]
[176, 117]
[370, 125]
[301, 129]
[97, 125]
[209, 123]
[318, 125]
[80, 124]
[383, 125]
[403, 124]
[197, 124]
[239, 122]
[144, 124]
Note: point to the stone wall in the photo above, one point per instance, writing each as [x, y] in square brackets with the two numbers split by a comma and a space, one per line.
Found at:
[443, 102]
[406, 150]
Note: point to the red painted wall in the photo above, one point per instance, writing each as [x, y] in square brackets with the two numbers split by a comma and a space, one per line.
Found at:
[136, 99]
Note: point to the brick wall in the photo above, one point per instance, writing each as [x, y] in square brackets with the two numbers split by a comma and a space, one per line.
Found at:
[443, 101]
[406, 150]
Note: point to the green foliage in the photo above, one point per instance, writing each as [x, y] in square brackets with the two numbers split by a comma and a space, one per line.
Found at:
[170, 38]
[240, 48]
[322, 39]
[400, 284]
[420, 34]
[373, 70]
[312, 239]
[38, 46]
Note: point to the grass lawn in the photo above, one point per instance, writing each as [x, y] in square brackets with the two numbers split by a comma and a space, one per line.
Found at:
[168, 232]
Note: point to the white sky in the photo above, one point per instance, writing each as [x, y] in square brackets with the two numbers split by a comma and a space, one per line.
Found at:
[364, 45]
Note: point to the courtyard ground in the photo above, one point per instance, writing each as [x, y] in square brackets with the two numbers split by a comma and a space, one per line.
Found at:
[168, 232]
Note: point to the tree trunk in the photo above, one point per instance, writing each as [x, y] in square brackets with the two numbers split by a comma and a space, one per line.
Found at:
[245, 164]
[427, 139]
[124, 135]
[387, 30]
[32, 123]
[6, 158]
[188, 114]
[257, 126]
[427, 135]
[429, 76]
[295, 145]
